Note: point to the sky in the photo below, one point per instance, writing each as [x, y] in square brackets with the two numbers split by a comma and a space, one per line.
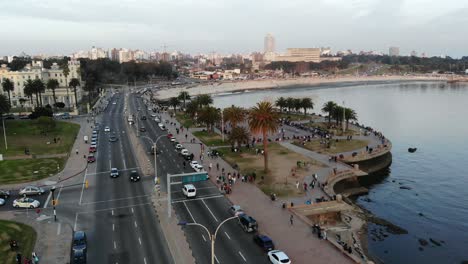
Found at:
[234, 26]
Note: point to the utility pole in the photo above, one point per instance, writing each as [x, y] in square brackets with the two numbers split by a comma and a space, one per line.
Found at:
[344, 110]
[4, 132]
[53, 203]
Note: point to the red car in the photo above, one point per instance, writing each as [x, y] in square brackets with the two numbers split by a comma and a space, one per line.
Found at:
[92, 149]
[169, 135]
[91, 158]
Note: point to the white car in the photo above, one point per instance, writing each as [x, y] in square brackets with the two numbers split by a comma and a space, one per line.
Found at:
[193, 163]
[189, 190]
[114, 173]
[26, 203]
[198, 168]
[2, 201]
[113, 103]
[179, 147]
[172, 139]
[157, 120]
[278, 257]
[107, 129]
[153, 115]
[31, 190]
[184, 152]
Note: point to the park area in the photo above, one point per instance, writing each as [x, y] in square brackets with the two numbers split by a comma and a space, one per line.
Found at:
[285, 168]
[23, 234]
[210, 139]
[336, 146]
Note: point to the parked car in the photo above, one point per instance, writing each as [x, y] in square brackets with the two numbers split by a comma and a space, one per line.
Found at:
[189, 190]
[26, 202]
[264, 242]
[5, 194]
[92, 148]
[248, 223]
[169, 135]
[235, 210]
[157, 120]
[188, 157]
[134, 176]
[113, 138]
[179, 147]
[193, 163]
[91, 158]
[2, 201]
[79, 241]
[162, 126]
[79, 257]
[278, 257]
[198, 168]
[107, 129]
[172, 139]
[184, 152]
[31, 190]
[114, 173]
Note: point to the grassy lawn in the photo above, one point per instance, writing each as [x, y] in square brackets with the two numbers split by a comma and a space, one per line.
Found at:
[25, 235]
[23, 134]
[342, 145]
[279, 179]
[14, 171]
[333, 129]
[211, 139]
[297, 117]
[185, 119]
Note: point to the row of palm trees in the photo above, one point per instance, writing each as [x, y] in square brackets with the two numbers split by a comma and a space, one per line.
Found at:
[337, 112]
[35, 88]
[296, 104]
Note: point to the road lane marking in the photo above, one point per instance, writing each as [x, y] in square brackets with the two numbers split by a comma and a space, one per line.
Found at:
[59, 227]
[217, 261]
[112, 212]
[107, 209]
[132, 210]
[119, 199]
[135, 224]
[193, 219]
[240, 253]
[60, 191]
[76, 220]
[115, 245]
[227, 235]
[47, 201]
[216, 219]
[113, 227]
[197, 199]
[144, 260]
[82, 187]
[203, 237]
[139, 240]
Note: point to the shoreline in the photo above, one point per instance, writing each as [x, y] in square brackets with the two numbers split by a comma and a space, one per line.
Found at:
[230, 87]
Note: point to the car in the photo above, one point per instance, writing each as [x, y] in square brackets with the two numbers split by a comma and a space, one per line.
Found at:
[113, 103]
[5, 194]
[94, 142]
[172, 139]
[264, 242]
[91, 158]
[162, 126]
[236, 210]
[79, 257]
[134, 176]
[157, 120]
[153, 115]
[113, 138]
[169, 135]
[198, 168]
[188, 157]
[94, 137]
[278, 257]
[92, 148]
[107, 129]
[248, 223]
[26, 202]
[193, 163]
[189, 190]
[2, 201]
[143, 117]
[179, 147]
[96, 131]
[142, 129]
[31, 190]
[79, 241]
[114, 173]
[184, 152]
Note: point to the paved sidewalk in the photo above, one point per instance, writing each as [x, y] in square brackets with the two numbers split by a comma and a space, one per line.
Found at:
[296, 240]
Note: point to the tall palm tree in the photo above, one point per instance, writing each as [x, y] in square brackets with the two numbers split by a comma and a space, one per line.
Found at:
[39, 88]
[281, 103]
[4, 107]
[350, 114]
[234, 115]
[192, 108]
[8, 86]
[209, 116]
[297, 104]
[53, 84]
[174, 102]
[328, 107]
[184, 96]
[307, 103]
[29, 91]
[239, 135]
[337, 114]
[263, 119]
[22, 101]
[289, 103]
[204, 99]
[66, 72]
[74, 82]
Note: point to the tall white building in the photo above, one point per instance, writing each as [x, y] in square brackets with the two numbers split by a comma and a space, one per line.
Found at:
[269, 44]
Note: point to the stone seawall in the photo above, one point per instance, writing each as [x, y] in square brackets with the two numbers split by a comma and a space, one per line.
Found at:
[374, 164]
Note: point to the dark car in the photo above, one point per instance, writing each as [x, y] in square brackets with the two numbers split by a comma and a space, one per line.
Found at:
[248, 223]
[91, 158]
[79, 241]
[5, 194]
[92, 149]
[264, 242]
[188, 157]
[78, 257]
[143, 117]
[134, 176]
[142, 129]
[113, 138]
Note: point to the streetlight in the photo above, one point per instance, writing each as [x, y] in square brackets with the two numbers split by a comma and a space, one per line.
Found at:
[212, 237]
[53, 203]
[155, 154]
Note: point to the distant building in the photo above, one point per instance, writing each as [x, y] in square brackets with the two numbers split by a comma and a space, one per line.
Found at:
[114, 54]
[414, 53]
[300, 54]
[269, 43]
[394, 51]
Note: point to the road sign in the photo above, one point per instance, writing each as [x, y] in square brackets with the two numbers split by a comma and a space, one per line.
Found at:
[195, 177]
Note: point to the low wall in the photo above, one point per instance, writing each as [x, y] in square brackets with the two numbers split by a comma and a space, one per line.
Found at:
[374, 164]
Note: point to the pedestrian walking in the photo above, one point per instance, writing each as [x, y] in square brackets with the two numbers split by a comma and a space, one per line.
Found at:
[209, 166]
[291, 220]
[217, 166]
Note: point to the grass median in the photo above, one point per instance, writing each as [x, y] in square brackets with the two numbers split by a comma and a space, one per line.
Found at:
[23, 234]
[26, 170]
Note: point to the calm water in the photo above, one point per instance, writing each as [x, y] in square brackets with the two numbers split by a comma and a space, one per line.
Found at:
[430, 116]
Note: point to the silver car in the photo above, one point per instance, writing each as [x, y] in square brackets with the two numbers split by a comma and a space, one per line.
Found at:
[2, 201]
[31, 190]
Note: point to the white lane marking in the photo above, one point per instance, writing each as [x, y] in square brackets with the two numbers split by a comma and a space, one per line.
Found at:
[112, 212]
[139, 241]
[216, 219]
[203, 237]
[217, 261]
[197, 199]
[227, 235]
[111, 200]
[113, 227]
[59, 227]
[102, 172]
[132, 210]
[76, 220]
[47, 201]
[144, 260]
[115, 245]
[83, 186]
[107, 209]
[193, 219]
[135, 224]
[240, 253]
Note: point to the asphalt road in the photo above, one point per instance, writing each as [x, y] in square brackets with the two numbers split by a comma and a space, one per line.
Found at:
[209, 208]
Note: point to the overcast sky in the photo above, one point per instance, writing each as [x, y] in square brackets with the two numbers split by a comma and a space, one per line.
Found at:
[234, 26]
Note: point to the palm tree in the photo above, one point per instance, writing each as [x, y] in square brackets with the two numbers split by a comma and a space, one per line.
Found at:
[350, 114]
[328, 107]
[22, 101]
[290, 103]
[192, 108]
[234, 115]
[8, 86]
[39, 88]
[74, 82]
[29, 91]
[184, 96]
[174, 102]
[204, 99]
[263, 119]
[307, 103]
[53, 84]
[297, 104]
[209, 116]
[281, 103]
[66, 72]
[239, 135]
[337, 114]
[4, 105]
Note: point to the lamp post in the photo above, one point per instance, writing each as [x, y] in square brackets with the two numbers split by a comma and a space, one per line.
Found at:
[156, 180]
[343, 123]
[211, 236]
[53, 203]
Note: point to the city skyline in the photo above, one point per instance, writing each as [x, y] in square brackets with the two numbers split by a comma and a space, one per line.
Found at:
[148, 25]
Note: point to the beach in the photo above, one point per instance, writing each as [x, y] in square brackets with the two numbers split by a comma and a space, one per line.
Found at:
[234, 86]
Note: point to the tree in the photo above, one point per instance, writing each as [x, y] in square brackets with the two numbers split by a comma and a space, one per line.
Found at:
[239, 135]
[41, 111]
[307, 103]
[350, 114]
[74, 82]
[29, 90]
[89, 87]
[53, 84]
[337, 114]
[297, 104]
[281, 103]
[4, 105]
[46, 123]
[8, 86]
[204, 100]
[209, 116]
[22, 101]
[184, 96]
[66, 72]
[192, 108]
[234, 115]
[174, 102]
[39, 88]
[289, 103]
[263, 119]
[328, 107]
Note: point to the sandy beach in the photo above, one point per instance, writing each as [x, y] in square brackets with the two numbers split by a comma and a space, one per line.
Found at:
[232, 86]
